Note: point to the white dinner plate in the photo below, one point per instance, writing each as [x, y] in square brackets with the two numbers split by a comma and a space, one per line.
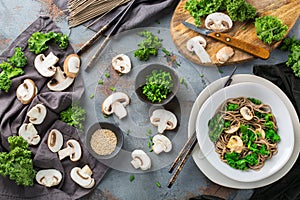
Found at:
[213, 174]
[283, 120]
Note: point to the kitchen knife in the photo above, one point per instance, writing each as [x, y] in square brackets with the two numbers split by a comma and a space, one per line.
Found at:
[252, 49]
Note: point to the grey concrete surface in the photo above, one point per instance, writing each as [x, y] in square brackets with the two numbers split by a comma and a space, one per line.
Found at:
[16, 15]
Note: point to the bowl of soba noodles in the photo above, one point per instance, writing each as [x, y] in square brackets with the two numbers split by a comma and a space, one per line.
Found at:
[245, 131]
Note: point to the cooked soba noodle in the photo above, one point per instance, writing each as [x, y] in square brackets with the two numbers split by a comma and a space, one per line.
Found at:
[244, 132]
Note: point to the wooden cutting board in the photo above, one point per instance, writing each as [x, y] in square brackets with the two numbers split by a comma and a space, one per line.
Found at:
[286, 10]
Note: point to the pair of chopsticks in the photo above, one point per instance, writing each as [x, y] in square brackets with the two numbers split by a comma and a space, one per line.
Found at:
[188, 147]
[107, 38]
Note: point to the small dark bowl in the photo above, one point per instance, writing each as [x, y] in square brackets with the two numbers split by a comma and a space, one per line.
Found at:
[104, 125]
[140, 81]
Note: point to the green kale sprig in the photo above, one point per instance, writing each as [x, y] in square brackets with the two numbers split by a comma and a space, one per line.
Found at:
[74, 115]
[270, 29]
[240, 10]
[17, 163]
[8, 72]
[18, 59]
[38, 41]
[149, 46]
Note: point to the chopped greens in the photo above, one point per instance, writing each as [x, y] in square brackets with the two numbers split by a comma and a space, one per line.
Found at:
[131, 178]
[38, 41]
[270, 29]
[18, 59]
[74, 115]
[158, 184]
[8, 72]
[232, 107]
[149, 46]
[293, 45]
[158, 85]
[17, 163]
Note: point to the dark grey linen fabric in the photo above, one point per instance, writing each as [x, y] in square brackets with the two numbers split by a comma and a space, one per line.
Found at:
[142, 13]
[13, 115]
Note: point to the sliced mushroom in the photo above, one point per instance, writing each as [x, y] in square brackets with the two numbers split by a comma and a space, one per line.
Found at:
[48, 177]
[72, 65]
[234, 127]
[55, 140]
[26, 91]
[218, 22]
[83, 177]
[73, 150]
[121, 63]
[163, 119]
[235, 144]
[37, 114]
[161, 143]
[140, 160]
[224, 54]
[60, 81]
[116, 103]
[246, 113]
[29, 133]
[197, 44]
[45, 64]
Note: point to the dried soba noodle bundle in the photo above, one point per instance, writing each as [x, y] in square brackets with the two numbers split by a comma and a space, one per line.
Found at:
[81, 11]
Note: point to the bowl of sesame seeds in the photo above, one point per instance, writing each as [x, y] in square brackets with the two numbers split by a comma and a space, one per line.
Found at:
[104, 140]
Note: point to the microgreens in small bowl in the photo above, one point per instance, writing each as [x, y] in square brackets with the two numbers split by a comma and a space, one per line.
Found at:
[156, 84]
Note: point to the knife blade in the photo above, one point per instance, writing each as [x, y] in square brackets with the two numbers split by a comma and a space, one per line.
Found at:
[252, 49]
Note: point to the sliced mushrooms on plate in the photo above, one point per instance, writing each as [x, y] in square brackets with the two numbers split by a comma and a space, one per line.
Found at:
[140, 160]
[163, 119]
[161, 143]
[116, 103]
[121, 63]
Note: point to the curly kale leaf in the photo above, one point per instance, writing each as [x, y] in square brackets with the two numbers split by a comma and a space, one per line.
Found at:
[17, 163]
[239, 10]
[38, 41]
[18, 59]
[270, 29]
[74, 115]
[8, 72]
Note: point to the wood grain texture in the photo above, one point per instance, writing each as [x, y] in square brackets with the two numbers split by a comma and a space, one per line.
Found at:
[286, 10]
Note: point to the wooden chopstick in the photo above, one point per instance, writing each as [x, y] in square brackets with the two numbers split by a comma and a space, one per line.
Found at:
[189, 146]
[109, 35]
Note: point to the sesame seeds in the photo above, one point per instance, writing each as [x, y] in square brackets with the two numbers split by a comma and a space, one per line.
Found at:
[103, 142]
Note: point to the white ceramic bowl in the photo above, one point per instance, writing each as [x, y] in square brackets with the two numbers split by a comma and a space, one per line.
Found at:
[284, 123]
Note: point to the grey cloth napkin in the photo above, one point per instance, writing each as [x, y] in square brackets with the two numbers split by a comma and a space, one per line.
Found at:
[13, 115]
[142, 13]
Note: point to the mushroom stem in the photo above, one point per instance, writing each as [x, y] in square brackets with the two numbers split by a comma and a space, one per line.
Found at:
[68, 151]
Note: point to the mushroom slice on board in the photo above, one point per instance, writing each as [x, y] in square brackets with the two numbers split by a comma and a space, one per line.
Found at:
[26, 91]
[45, 64]
[73, 150]
[116, 103]
[48, 177]
[163, 119]
[161, 143]
[83, 177]
[55, 140]
[72, 65]
[224, 54]
[197, 44]
[218, 22]
[60, 81]
[140, 160]
[29, 133]
[121, 63]
[37, 114]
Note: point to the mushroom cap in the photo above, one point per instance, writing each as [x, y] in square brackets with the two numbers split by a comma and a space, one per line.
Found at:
[246, 113]
[161, 143]
[140, 160]
[37, 114]
[116, 103]
[121, 63]
[224, 54]
[55, 140]
[45, 64]
[218, 22]
[29, 133]
[48, 177]
[26, 91]
[163, 119]
[83, 176]
[235, 143]
[72, 65]
[60, 81]
[197, 44]
[234, 127]
[73, 150]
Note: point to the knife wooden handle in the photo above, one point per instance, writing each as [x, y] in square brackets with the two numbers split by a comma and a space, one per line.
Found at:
[255, 50]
